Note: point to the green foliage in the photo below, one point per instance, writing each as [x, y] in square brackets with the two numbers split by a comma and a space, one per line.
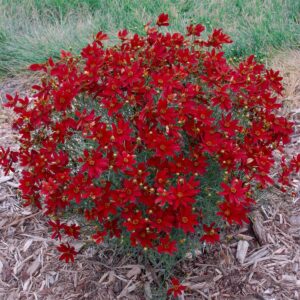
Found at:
[35, 30]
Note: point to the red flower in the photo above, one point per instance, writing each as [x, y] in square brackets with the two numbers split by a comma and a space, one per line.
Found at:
[233, 212]
[138, 172]
[204, 115]
[135, 221]
[235, 192]
[161, 177]
[187, 220]
[64, 96]
[165, 114]
[163, 197]
[121, 132]
[163, 20]
[27, 183]
[222, 98]
[37, 67]
[229, 125]
[56, 228]
[72, 230]
[162, 145]
[75, 188]
[195, 29]
[32, 199]
[177, 288]
[184, 194]
[211, 235]
[217, 38]
[211, 142]
[166, 246]
[284, 176]
[230, 155]
[161, 220]
[112, 105]
[100, 134]
[113, 228]
[68, 252]
[295, 163]
[100, 36]
[125, 161]
[7, 158]
[130, 192]
[105, 207]
[143, 237]
[122, 34]
[98, 237]
[94, 163]
[274, 80]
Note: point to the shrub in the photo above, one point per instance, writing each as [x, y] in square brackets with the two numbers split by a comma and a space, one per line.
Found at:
[155, 140]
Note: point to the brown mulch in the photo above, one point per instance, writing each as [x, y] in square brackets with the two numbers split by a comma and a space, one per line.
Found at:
[259, 261]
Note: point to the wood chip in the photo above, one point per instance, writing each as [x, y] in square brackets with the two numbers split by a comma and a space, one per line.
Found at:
[136, 270]
[5, 179]
[13, 184]
[258, 228]
[295, 220]
[245, 237]
[289, 278]
[34, 266]
[241, 252]
[261, 253]
[197, 286]
[147, 290]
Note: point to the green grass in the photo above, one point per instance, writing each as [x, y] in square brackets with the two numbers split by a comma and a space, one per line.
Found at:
[33, 30]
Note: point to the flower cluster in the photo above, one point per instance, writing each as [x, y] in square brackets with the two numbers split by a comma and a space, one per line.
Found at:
[124, 136]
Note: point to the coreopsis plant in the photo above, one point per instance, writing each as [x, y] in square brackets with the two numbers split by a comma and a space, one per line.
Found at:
[155, 140]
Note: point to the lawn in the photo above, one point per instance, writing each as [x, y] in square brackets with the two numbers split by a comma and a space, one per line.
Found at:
[33, 30]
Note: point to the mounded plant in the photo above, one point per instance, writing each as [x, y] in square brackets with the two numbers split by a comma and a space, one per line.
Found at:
[156, 140]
